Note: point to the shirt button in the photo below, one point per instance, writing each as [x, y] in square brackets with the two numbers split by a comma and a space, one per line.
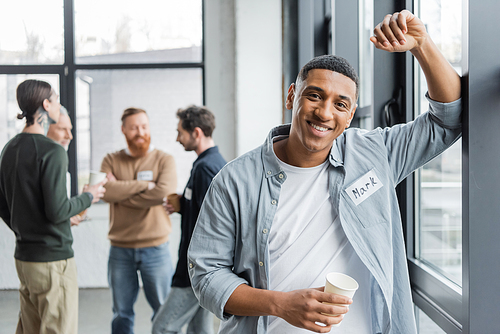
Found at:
[273, 202]
[261, 264]
[264, 231]
[280, 176]
[269, 172]
[191, 265]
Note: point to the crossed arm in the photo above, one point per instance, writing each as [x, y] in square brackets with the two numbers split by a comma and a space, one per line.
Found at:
[117, 191]
[140, 194]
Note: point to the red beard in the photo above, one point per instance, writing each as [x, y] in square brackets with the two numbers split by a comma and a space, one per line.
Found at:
[139, 149]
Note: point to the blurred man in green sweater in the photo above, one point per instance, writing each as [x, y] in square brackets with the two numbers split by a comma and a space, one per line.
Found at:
[35, 205]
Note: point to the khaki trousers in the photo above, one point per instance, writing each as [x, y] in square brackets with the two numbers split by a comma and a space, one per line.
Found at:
[49, 297]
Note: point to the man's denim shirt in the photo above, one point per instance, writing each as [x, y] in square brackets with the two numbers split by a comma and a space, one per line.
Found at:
[230, 244]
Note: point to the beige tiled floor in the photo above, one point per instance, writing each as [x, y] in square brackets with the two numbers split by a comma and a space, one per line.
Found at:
[94, 312]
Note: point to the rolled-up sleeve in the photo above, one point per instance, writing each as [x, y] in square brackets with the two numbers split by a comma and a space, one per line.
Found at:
[409, 146]
[211, 251]
[449, 115]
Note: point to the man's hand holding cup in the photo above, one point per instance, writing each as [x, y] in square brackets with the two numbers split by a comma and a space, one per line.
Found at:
[96, 184]
[172, 203]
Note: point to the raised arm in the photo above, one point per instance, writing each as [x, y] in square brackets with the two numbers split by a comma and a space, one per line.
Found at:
[120, 190]
[403, 31]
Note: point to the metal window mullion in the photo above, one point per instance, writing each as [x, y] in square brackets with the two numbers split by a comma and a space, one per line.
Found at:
[435, 295]
[68, 89]
[435, 313]
[481, 191]
[203, 79]
[31, 69]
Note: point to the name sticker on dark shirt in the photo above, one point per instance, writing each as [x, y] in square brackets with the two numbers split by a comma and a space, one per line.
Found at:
[188, 194]
[364, 187]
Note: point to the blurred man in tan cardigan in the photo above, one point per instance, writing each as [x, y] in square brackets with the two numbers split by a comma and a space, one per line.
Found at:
[139, 178]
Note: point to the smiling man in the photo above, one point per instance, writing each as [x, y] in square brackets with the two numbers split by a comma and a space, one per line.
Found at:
[140, 176]
[319, 197]
[60, 132]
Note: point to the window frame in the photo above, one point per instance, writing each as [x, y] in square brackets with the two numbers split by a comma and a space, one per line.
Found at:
[468, 310]
[67, 75]
[434, 294]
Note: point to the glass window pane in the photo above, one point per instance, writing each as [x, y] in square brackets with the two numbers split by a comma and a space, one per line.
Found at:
[103, 95]
[425, 325]
[31, 32]
[9, 109]
[365, 53]
[365, 63]
[439, 183]
[126, 32]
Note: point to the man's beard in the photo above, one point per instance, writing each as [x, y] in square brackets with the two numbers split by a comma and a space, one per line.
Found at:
[139, 149]
[190, 146]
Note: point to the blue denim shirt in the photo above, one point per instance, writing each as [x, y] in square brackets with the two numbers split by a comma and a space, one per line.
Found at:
[230, 245]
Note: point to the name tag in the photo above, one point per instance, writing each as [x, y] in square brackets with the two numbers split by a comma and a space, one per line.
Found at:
[145, 175]
[188, 194]
[364, 187]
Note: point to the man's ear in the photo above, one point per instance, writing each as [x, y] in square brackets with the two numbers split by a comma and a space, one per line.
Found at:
[197, 132]
[123, 130]
[290, 97]
[46, 104]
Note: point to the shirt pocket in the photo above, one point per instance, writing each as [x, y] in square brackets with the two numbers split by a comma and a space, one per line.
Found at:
[374, 209]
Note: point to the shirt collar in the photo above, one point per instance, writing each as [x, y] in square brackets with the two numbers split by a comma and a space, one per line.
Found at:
[336, 153]
[210, 150]
[270, 161]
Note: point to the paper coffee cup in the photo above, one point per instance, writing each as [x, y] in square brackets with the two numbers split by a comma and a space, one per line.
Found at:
[173, 199]
[96, 177]
[340, 284]
[83, 214]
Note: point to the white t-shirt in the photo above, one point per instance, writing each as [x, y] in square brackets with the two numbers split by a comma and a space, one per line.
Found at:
[307, 241]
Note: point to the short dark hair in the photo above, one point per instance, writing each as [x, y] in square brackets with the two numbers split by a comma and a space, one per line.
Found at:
[132, 111]
[332, 63]
[30, 96]
[197, 117]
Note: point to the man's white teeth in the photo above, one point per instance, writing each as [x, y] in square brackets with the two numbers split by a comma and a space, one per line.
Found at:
[319, 128]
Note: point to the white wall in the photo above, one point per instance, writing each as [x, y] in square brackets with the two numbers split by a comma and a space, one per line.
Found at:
[243, 72]
[8, 276]
[220, 71]
[259, 71]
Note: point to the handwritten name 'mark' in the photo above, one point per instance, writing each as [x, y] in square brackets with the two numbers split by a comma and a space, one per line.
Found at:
[364, 187]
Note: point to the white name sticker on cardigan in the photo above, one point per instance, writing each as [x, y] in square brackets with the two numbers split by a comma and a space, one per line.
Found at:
[364, 187]
[145, 175]
[188, 194]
